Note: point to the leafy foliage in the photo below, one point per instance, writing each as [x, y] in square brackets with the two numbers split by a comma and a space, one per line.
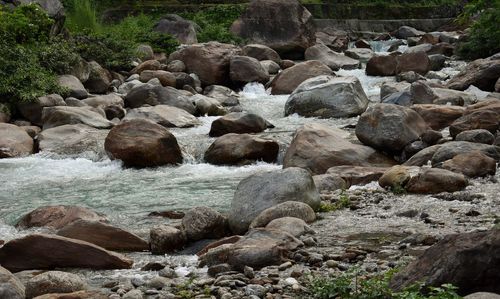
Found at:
[484, 39]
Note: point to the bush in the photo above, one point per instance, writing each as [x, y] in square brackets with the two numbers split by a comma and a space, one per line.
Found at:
[484, 38]
[25, 24]
[58, 56]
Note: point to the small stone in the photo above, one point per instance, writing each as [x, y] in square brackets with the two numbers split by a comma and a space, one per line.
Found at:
[309, 241]
[315, 258]
[331, 264]
[343, 267]
[248, 271]
[255, 290]
[137, 282]
[153, 266]
[167, 272]
[472, 213]
[158, 283]
[284, 266]
[291, 281]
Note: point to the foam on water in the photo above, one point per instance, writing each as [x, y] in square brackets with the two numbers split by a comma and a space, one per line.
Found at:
[371, 85]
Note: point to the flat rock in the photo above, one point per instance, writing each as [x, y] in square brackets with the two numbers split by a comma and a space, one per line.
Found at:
[57, 216]
[164, 115]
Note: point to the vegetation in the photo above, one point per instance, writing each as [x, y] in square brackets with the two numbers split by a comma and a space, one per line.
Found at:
[342, 203]
[484, 39]
[352, 286]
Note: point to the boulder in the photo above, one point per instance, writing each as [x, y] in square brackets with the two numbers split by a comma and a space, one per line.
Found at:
[471, 164]
[74, 86]
[166, 78]
[65, 115]
[72, 140]
[261, 52]
[453, 97]
[33, 111]
[401, 98]
[488, 104]
[357, 175]
[389, 88]
[263, 23]
[418, 62]
[317, 147]
[166, 239]
[482, 119]
[295, 209]
[183, 30]
[14, 142]
[451, 149]
[209, 61]
[337, 40]
[208, 106]
[244, 69]
[482, 295]
[176, 66]
[437, 61]
[327, 97]
[57, 217]
[332, 59]
[259, 248]
[423, 157]
[239, 123]
[482, 73]
[327, 183]
[389, 127]
[397, 176]
[294, 226]
[103, 235]
[204, 223]
[241, 149]
[54, 282]
[468, 261]
[435, 180]
[99, 80]
[405, 32]
[145, 52]
[288, 80]
[361, 54]
[10, 286]
[225, 95]
[76, 295]
[264, 190]
[381, 66]
[147, 94]
[438, 117]
[40, 251]
[271, 67]
[164, 115]
[422, 93]
[142, 143]
[148, 65]
[477, 136]
[104, 101]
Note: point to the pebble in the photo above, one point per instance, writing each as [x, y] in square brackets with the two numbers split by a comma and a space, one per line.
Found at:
[309, 241]
[255, 290]
[291, 281]
[137, 282]
[284, 266]
[248, 271]
[331, 264]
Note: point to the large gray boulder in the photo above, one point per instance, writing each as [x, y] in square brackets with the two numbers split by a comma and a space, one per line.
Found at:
[10, 286]
[72, 140]
[390, 127]
[99, 79]
[328, 96]
[244, 69]
[288, 80]
[164, 115]
[239, 123]
[184, 31]
[264, 20]
[332, 59]
[318, 147]
[147, 94]
[73, 84]
[66, 115]
[264, 190]
[204, 223]
[261, 52]
[53, 282]
[104, 101]
[286, 209]
[14, 142]
[33, 111]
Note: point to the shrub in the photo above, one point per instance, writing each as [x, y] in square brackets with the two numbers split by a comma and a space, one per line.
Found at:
[25, 24]
[58, 56]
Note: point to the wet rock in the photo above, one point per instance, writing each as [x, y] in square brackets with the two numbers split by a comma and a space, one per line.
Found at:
[258, 248]
[397, 176]
[357, 175]
[405, 32]
[164, 115]
[438, 117]
[381, 66]
[482, 73]
[244, 69]
[208, 106]
[10, 286]
[238, 122]
[166, 239]
[261, 52]
[263, 20]
[260, 191]
[104, 235]
[435, 180]
[99, 80]
[472, 164]
[317, 148]
[271, 67]
[418, 62]
[389, 127]
[183, 30]
[468, 261]
[209, 61]
[329, 183]
[481, 119]
[413, 148]
[75, 87]
[294, 209]
[141, 143]
[158, 95]
[148, 65]
[477, 136]
[54, 282]
[409, 77]
[437, 61]
[328, 96]
[361, 54]
[40, 251]
[422, 93]
[72, 140]
[33, 111]
[238, 149]
[57, 216]
[14, 142]
[453, 97]
[225, 95]
[166, 78]
[66, 115]
[402, 98]
[289, 79]
[204, 223]
[451, 149]
[294, 226]
[389, 88]
[332, 59]
[227, 240]
[431, 137]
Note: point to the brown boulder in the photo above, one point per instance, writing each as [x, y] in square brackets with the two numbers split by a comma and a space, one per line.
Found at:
[438, 117]
[317, 148]
[435, 180]
[231, 149]
[357, 175]
[288, 80]
[332, 59]
[239, 123]
[148, 65]
[14, 142]
[244, 69]
[57, 216]
[471, 164]
[482, 73]
[261, 52]
[33, 111]
[141, 143]
[103, 235]
[10, 286]
[381, 66]
[99, 80]
[54, 282]
[75, 295]
[482, 119]
[40, 251]
[418, 62]
[166, 239]
[166, 78]
[204, 223]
